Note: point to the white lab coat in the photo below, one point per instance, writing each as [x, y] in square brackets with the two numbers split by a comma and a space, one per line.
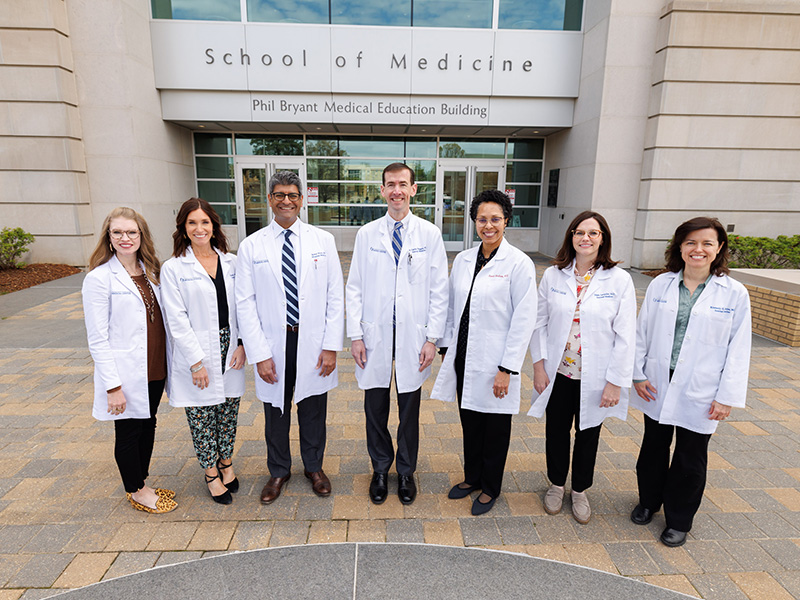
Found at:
[261, 308]
[420, 297]
[608, 337]
[501, 319]
[714, 360]
[190, 303]
[116, 328]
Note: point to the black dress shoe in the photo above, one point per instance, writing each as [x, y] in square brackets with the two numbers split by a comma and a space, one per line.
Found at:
[479, 508]
[641, 515]
[406, 488]
[457, 492]
[673, 538]
[378, 490]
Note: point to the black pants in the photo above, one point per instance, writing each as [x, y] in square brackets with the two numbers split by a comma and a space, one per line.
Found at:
[311, 415]
[379, 440]
[678, 485]
[133, 442]
[563, 408]
[486, 440]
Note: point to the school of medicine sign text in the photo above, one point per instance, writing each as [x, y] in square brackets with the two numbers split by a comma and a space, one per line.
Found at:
[322, 73]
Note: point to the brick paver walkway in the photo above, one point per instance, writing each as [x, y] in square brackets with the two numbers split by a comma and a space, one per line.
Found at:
[65, 523]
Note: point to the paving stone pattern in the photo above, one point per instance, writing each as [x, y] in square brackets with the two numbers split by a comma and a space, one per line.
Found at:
[65, 523]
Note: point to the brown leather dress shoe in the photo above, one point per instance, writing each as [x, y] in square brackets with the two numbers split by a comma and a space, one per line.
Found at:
[320, 483]
[272, 490]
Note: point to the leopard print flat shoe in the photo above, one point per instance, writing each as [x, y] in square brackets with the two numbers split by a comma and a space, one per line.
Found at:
[163, 505]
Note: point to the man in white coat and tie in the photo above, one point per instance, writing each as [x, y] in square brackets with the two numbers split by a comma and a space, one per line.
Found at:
[290, 307]
[396, 312]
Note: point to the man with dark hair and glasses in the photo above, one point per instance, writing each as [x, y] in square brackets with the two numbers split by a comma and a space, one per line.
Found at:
[290, 304]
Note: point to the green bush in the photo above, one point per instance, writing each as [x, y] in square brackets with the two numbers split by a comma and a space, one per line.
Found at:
[765, 253]
[13, 244]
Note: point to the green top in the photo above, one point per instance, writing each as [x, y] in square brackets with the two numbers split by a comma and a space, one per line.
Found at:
[686, 302]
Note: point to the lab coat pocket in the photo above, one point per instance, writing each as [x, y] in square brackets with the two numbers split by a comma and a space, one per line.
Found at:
[416, 267]
[497, 293]
[716, 329]
[493, 345]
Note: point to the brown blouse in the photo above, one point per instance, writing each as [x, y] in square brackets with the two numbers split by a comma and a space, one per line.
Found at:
[156, 339]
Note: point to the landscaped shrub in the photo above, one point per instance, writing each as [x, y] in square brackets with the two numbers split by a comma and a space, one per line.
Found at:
[13, 244]
[765, 253]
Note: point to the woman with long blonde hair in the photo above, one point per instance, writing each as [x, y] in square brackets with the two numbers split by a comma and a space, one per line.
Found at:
[128, 343]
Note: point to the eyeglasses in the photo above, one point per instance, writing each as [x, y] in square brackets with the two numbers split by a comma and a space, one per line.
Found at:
[294, 197]
[118, 235]
[593, 234]
[494, 221]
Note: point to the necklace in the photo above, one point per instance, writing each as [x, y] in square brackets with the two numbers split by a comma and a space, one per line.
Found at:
[151, 304]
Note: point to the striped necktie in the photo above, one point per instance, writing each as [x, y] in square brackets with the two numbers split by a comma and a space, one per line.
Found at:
[290, 282]
[397, 241]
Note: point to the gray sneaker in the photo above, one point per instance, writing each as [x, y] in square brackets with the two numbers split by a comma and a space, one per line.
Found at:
[580, 507]
[553, 499]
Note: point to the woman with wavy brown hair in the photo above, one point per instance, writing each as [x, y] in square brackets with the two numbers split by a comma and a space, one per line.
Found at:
[207, 355]
[128, 342]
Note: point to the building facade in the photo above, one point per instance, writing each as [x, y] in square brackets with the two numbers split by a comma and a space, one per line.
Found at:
[647, 111]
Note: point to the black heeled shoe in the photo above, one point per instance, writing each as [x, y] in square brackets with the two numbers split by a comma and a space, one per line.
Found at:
[225, 497]
[233, 484]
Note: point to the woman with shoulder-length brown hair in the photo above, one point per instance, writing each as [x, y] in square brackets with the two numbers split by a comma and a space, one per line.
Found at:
[582, 349]
[692, 360]
[207, 376]
[128, 343]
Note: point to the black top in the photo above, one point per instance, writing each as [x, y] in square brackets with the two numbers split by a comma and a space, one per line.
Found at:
[222, 296]
[463, 326]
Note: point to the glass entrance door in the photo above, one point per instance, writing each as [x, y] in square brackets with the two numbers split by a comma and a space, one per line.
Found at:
[457, 183]
[252, 187]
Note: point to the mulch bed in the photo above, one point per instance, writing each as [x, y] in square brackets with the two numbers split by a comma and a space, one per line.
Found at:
[12, 280]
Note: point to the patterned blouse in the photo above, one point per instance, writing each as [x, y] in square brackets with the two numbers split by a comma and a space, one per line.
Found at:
[570, 365]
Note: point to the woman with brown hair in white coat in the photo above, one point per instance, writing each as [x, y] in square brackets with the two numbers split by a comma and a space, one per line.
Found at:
[582, 352]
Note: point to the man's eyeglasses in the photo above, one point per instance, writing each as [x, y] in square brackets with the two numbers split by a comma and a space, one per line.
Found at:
[294, 197]
[118, 235]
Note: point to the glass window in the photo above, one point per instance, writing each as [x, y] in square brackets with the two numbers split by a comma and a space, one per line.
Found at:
[322, 147]
[371, 146]
[559, 15]
[525, 195]
[424, 170]
[421, 148]
[212, 143]
[345, 169]
[208, 10]
[371, 12]
[217, 191]
[426, 194]
[472, 148]
[214, 167]
[427, 213]
[524, 172]
[226, 212]
[287, 11]
[525, 217]
[273, 146]
[520, 149]
[349, 193]
[453, 13]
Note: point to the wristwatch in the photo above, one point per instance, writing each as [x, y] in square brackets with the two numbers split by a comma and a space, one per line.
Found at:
[432, 340]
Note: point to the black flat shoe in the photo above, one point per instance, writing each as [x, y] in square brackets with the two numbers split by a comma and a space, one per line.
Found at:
[673, 538]
[457, 492]
[479, 508]
[378, 488]
[233, 484]
[641, 515]
[406, 488]
[223, 498]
